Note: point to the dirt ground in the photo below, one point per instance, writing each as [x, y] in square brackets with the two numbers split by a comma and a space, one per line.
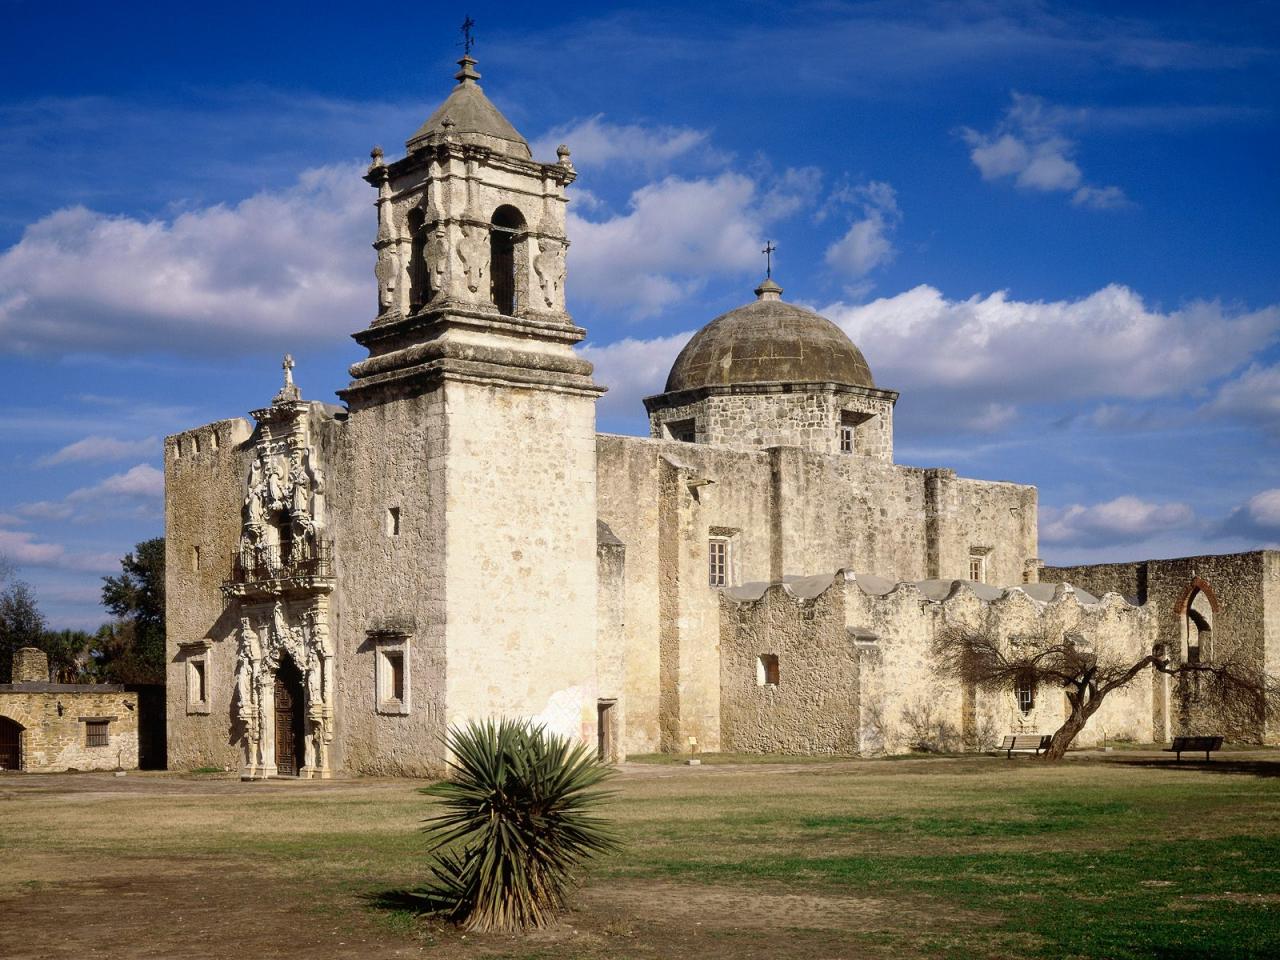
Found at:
[170, 865]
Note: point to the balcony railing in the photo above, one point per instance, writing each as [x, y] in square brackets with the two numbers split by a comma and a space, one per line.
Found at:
[298, 558]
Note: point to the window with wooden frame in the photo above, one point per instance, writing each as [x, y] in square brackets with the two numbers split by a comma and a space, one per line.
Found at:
[97, 733]
[718, 561]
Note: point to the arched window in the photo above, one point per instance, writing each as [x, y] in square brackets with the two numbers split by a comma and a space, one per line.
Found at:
[505, 232]
[419, 282]
[1199, 627]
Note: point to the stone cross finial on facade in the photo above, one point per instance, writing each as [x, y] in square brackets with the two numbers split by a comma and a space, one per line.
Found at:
[289, 391]
[288, 369]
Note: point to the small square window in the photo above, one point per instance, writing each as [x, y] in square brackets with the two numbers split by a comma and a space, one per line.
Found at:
[1025, 690]
[393, 521]
[96, 733]
[767, 670]
[686, 431]
[718, 561]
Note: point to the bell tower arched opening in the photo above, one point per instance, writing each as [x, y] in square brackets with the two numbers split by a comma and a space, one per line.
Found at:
[419, 275]
[506, 231]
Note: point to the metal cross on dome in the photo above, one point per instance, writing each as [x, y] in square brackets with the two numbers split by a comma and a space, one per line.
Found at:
[768, 258]
[468, 41]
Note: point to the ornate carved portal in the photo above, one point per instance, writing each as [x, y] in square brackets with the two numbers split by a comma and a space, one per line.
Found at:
[281, 585]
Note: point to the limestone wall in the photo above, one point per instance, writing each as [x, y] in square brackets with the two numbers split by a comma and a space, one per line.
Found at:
[390, 585]
[520, 622]
[205, 472]
[1243, 595]
[55, 733]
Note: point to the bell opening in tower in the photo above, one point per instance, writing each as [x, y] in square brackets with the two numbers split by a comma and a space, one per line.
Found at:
[504, 235]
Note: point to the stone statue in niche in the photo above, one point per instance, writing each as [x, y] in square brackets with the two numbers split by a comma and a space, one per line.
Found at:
[549, 266]
[436, 255]
[247, 660]
[386, 271]
[473, 253]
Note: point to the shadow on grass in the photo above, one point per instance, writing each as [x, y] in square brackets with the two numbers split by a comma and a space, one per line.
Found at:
[420, 901]
[1253, 768]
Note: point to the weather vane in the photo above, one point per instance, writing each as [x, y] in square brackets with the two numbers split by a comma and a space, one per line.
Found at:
[468, 41]
[768, 258]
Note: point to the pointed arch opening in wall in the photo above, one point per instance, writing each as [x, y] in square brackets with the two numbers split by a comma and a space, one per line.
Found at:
[506, 227]
[419, 275]
[1199, 629]
[10, 744]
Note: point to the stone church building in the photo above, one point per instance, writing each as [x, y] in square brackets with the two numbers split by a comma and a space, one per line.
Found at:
[456, 541]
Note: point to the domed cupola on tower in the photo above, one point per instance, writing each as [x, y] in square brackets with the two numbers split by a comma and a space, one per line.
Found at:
[771, 373]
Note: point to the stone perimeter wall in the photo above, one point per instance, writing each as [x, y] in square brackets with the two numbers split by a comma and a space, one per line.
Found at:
[855, 674]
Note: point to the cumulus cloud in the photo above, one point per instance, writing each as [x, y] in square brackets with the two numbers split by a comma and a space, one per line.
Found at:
[25, 549]
[99, 449]
[1122, 520]
[675, 234]
[1029, 146]
[867, 244]
[1257, 520]
[596, 142]
[1253, 396]
[135, 492]
[141, 482]
[953, 354]
[285, 268]
[633, 369]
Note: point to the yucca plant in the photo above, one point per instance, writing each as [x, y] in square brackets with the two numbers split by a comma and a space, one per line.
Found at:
[518, 821]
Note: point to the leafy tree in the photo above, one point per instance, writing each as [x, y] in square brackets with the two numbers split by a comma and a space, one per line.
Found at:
[518, 822]
[136, 597]
[1234, 688]
[69, 655]
[21, 623]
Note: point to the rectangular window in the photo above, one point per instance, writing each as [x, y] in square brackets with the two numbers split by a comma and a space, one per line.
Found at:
[393, 521]
[201, 693]
[96, 733]
[396, 662]
[846, 437]
[392, 682]
[767, 670]
[198, 677]
[718, 561]
[195, 443]
[195, 559]
[686, 431]
[978, 567]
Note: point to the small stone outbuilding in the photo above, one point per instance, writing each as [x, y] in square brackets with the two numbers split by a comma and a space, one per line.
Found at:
[54, 727]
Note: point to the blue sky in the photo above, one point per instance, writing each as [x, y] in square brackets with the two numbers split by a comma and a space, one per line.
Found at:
[1053, 228]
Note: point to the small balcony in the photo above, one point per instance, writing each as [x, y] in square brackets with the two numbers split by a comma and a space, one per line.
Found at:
[273, 569]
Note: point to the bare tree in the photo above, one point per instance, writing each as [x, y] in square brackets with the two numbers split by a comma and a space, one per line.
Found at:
[1239, 692]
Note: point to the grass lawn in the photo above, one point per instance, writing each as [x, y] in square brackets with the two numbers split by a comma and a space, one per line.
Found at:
[1116, 857]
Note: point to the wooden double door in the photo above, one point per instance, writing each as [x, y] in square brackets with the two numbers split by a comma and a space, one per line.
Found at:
[290, 719]
[10, 744]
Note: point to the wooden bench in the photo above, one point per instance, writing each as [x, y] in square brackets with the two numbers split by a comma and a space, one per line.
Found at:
[1194, 745]
[1025, 743]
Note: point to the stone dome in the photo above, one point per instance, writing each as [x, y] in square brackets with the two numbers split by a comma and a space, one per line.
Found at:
[769, 341]
[469, 117]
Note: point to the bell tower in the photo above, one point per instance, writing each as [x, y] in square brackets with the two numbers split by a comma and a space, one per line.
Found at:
[471, 254]
[474, 421]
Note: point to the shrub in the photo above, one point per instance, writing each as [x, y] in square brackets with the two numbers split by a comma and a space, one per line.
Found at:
[518, 821]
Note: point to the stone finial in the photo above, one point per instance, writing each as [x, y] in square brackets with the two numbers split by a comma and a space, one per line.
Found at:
[768, 290]
[30, 665]
[562, 152]
[376, 156]
[289, 392]
[467, 74]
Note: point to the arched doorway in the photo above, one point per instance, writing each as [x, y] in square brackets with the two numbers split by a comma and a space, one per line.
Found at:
[1199, 629]
[290, 719]
[505, 230]
[10, 744]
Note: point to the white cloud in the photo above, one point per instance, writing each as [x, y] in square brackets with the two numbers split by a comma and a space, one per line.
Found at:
[1122, 520]
[868, 243]
[1264, 509]
[1029, 146]
[1253, 396]
[285, 267]
[956, 355]
[597, 143]
[141, 482]
[676, 233]
[633, 369]
[23, 549]
[98, 449]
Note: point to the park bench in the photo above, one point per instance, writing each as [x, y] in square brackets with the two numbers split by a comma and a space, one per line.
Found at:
[1025, 743]
[1194, 745]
